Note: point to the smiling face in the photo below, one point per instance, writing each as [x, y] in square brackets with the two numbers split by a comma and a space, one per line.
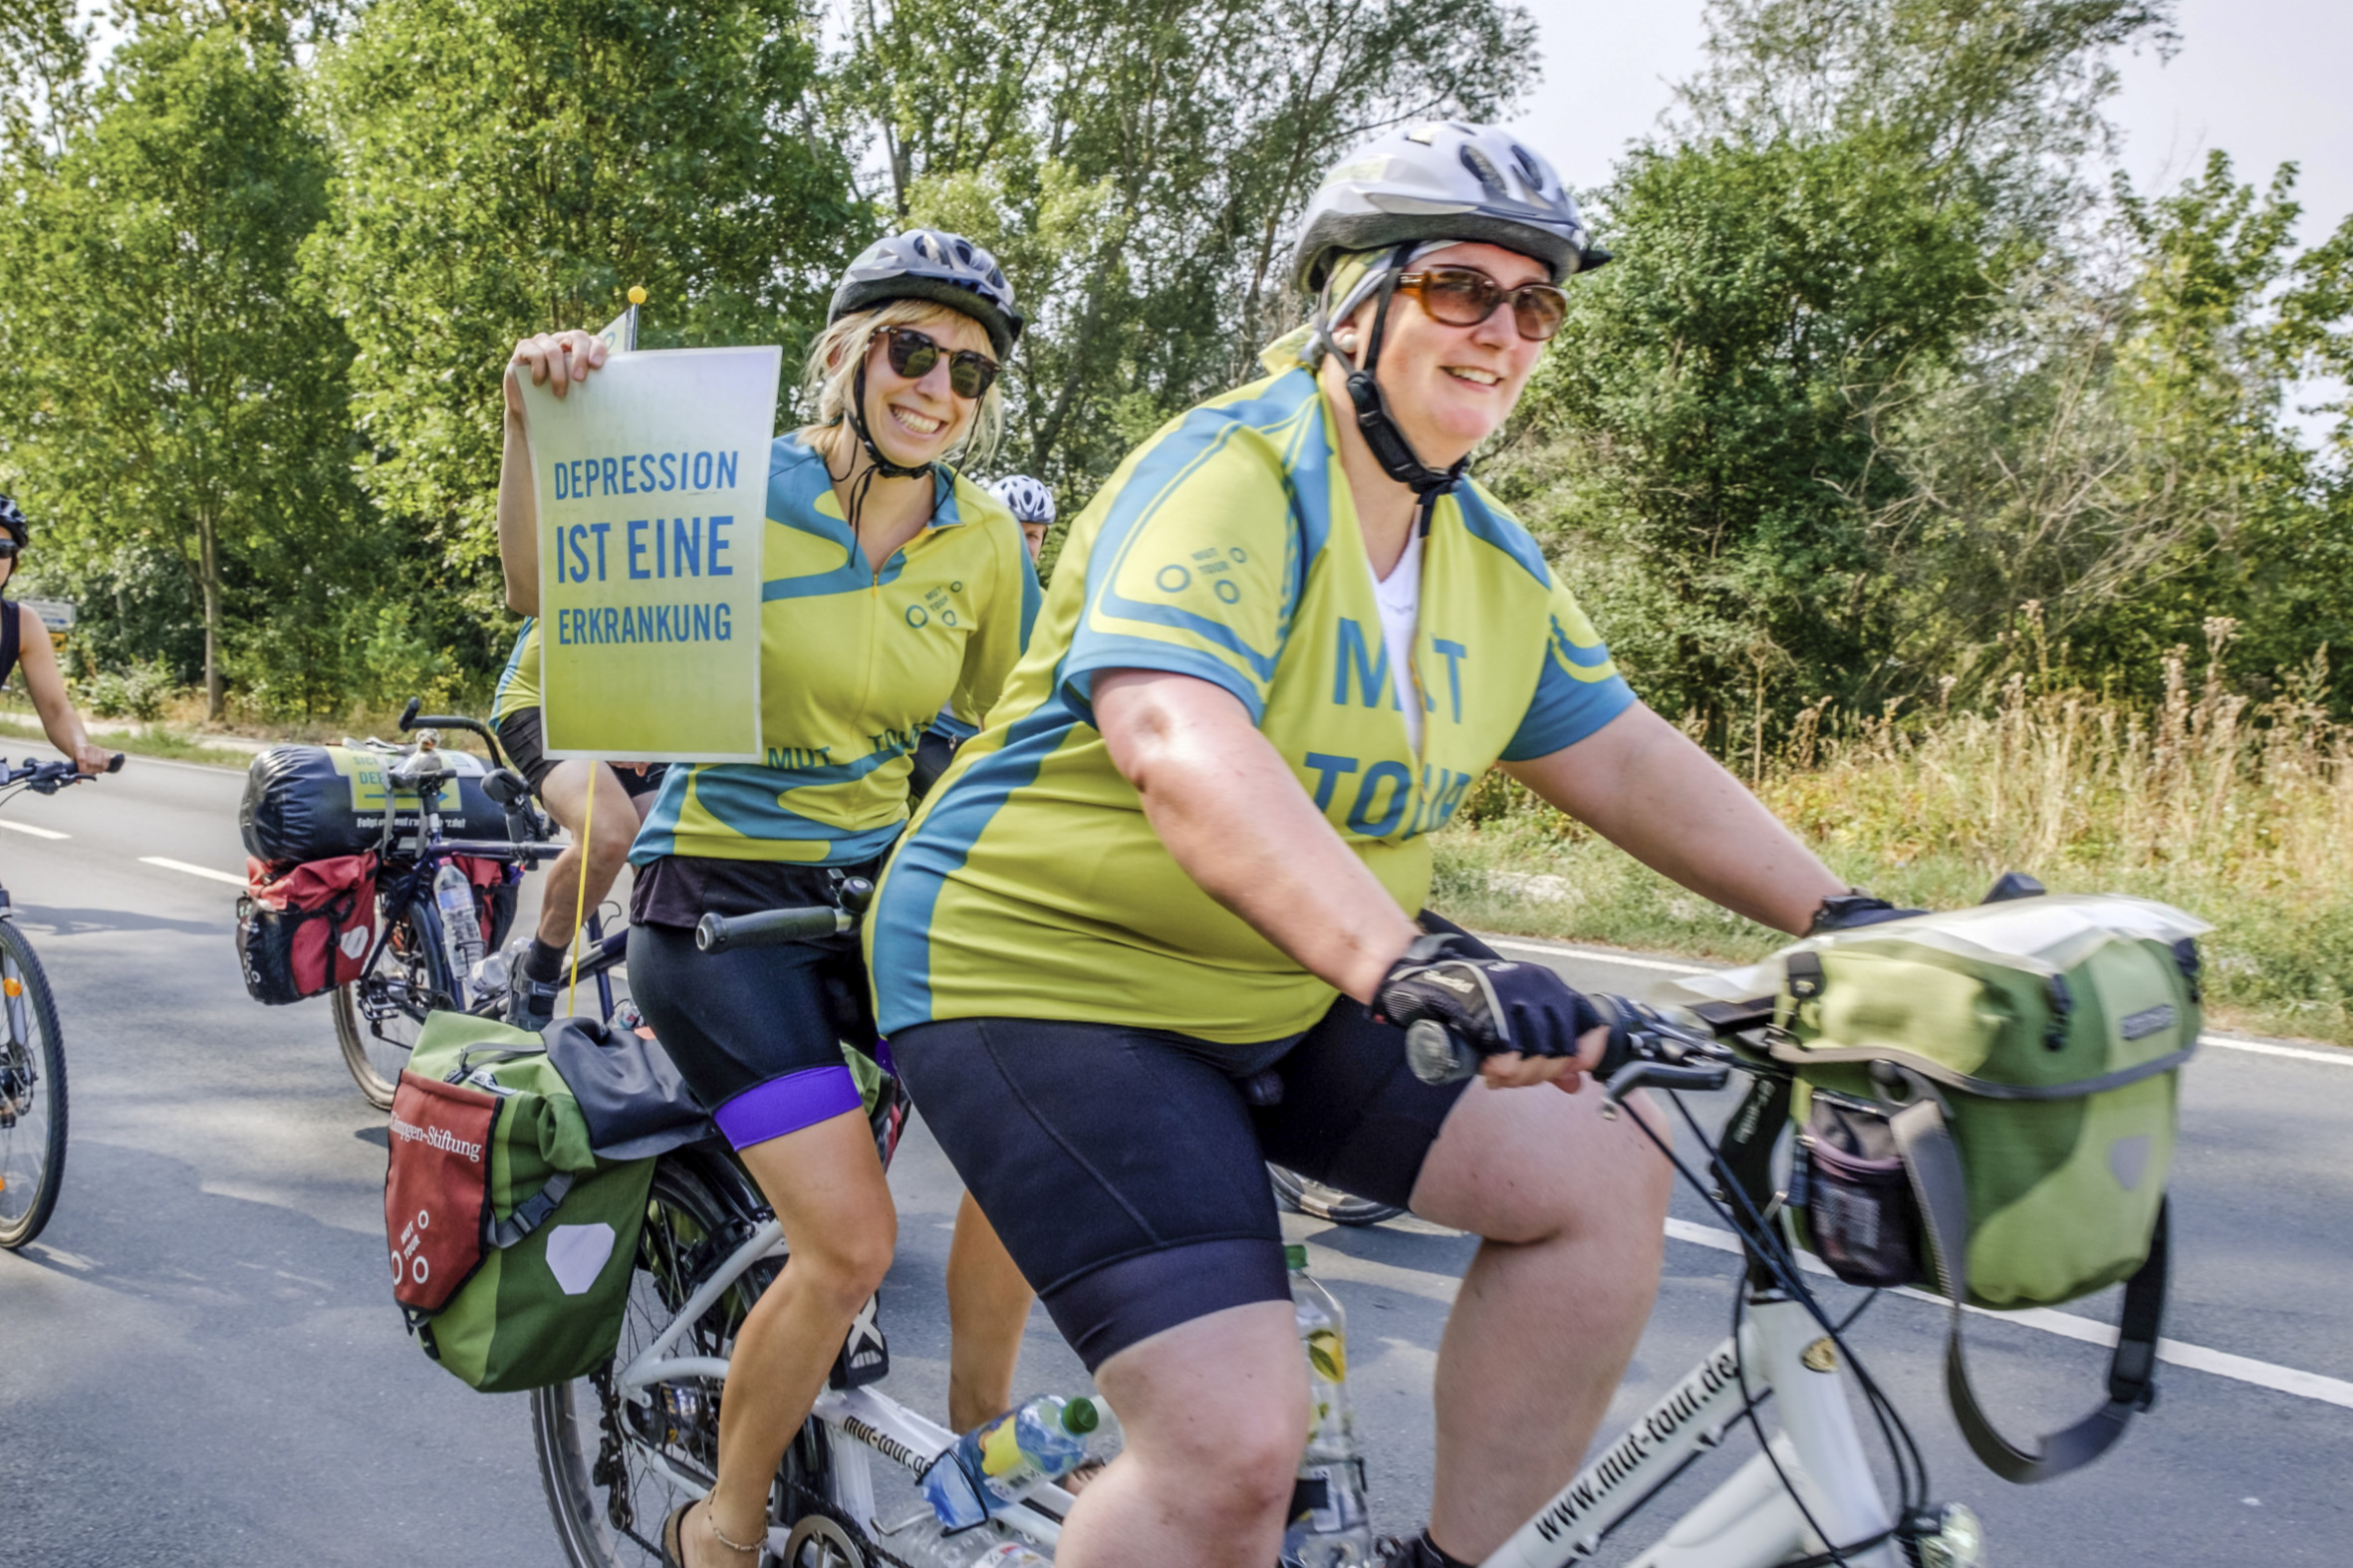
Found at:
[919, 420]
[1451, 387]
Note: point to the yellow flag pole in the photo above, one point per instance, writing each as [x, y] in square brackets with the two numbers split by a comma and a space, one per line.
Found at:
[588, 826]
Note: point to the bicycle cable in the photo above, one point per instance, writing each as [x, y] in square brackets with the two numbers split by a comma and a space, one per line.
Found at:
[1765, 1246]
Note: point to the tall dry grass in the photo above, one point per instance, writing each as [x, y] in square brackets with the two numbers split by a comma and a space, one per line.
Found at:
[2241, 812]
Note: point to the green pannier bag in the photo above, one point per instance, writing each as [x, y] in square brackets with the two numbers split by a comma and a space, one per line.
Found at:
[1985, 1102]
[558, 1226]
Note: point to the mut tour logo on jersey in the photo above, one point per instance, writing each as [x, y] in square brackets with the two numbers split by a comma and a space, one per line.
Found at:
[650, 480]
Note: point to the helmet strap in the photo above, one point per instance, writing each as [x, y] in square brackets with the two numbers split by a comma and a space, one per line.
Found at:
[1388, 443]
[882, 465]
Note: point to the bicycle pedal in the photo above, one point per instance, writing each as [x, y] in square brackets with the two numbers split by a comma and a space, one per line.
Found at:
[865, 1355]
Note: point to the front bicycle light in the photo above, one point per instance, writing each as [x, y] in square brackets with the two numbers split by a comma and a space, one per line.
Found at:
[1949, 1535]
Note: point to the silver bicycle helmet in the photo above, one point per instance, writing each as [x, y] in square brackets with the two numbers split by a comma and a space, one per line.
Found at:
[1027, 499]
[932, 264]
[1444, 181]
[11, 522]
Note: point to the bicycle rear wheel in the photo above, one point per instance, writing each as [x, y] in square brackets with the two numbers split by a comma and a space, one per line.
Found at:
[1303, 1195]
[32, 1093]
[378, 1016]
[613, 1462]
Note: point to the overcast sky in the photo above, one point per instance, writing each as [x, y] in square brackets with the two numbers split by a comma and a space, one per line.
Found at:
[2264, 80]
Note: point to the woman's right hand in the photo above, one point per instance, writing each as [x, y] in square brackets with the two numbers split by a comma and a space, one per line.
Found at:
[554, 360]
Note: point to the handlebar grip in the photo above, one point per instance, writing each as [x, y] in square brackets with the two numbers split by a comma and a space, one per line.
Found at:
[408, 713]
[770, 928]
[115, 763]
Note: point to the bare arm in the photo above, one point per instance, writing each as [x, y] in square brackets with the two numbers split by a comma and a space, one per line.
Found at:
[1237, 821]
[568, 357]
[1642, 784]
[37, 657]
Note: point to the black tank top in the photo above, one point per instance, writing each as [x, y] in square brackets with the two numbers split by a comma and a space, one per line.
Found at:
[9, 629]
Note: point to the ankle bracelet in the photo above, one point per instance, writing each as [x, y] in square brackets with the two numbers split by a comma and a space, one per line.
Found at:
[710, 1516]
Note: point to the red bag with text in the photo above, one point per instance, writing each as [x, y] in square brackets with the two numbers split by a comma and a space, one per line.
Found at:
[436, 1193]
[307, 931]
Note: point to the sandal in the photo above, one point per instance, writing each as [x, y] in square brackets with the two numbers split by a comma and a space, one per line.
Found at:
[673, 1536]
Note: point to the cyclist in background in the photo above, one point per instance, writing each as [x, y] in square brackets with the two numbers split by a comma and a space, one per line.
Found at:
[1155, 926]
[25, 644]
[1032, 506]
[623, 794]
[909, 591]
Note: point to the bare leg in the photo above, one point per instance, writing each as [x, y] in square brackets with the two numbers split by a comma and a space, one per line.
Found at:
[987, 1310]
[825, 1184]
[1572, 1208]
[1215, 1415]
[565, 793]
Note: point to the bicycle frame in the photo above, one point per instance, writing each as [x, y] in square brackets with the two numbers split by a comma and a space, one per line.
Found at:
[859, 1421]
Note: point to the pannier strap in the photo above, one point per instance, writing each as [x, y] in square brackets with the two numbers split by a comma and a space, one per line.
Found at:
[532, 1212]
[1790, 1054]
[1933, 1166]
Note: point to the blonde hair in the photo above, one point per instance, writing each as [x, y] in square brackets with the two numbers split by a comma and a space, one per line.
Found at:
[831, 378]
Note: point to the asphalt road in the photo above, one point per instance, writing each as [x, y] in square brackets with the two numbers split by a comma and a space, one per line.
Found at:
[200, 1364]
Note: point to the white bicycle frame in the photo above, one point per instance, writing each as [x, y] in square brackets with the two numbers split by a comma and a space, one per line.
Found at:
[1751, 1520]
[860, 1421]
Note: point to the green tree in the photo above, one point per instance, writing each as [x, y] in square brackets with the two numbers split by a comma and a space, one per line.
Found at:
[170, 383]
[510, 166]
[1138, 168]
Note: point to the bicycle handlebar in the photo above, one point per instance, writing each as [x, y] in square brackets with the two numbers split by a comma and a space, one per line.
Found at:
[1683, 1050]
[47, 778]
[771, 927]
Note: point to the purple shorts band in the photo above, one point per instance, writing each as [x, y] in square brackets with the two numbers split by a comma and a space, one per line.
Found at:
[788, 1104]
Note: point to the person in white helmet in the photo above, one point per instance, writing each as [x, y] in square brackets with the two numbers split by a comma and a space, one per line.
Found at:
[1032, 506]
[1157, 923]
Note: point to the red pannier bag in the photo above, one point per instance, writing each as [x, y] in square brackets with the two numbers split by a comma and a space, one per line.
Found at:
[437, 1193]
[307, 930]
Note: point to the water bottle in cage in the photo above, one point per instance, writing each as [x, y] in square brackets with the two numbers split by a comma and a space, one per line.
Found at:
[1330, 1526]
[461, 928]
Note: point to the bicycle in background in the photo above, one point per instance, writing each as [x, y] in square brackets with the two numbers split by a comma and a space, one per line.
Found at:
[32, 1050]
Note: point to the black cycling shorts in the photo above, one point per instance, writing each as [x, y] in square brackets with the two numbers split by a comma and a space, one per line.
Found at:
[757, 1032]
[1125, 1167]
[522, 737]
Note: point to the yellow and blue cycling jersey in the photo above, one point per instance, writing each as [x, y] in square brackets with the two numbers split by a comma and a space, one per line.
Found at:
[518, 683]
[1226, 548]
[853, 665]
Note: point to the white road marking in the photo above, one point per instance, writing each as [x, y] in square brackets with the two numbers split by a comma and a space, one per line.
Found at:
[37, 833]
[2337, 1058]
[2242, 1369]
[170, 863]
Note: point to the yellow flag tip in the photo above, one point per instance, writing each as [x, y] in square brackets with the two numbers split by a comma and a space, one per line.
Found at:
[636, 293]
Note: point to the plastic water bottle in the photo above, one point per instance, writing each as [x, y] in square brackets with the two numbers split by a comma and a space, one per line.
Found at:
[992, 1466]
[462, 927]
[1334, 1528]
[920, 1543]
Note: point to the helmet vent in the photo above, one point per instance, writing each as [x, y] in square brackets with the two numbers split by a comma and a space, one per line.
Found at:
[1483, 170]
[1426, 135]
[1529, 168]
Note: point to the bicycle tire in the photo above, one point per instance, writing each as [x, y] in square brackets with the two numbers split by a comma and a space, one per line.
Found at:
[375, 1049]
[32, 1093]
[1304, 1195]
[695, 1212]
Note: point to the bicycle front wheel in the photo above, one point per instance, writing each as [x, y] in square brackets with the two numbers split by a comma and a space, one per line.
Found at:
[32, 1093]
[378, 1016]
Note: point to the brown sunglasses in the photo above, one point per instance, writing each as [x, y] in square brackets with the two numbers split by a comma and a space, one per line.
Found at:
[911, 353]
[1465, 297]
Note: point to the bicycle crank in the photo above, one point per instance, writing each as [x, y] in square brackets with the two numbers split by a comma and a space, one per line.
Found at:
[818, 1543]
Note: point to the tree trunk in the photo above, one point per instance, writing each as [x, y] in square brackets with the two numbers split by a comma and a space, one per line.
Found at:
[208, 553]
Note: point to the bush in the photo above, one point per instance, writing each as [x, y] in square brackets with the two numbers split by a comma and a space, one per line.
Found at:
[137, 691]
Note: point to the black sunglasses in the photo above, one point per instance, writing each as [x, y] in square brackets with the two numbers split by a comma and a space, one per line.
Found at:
[1465, 297]
[8, 548]
[969, 372]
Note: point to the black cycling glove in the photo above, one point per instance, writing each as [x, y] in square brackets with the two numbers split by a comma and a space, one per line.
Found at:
[1846, 910]
[1491, 1005]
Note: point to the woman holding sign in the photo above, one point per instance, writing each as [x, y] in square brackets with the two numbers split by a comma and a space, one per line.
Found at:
[894, 587]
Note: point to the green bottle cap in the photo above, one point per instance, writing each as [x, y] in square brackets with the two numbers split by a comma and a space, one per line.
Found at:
[1080, 1417]
[1295, 1258]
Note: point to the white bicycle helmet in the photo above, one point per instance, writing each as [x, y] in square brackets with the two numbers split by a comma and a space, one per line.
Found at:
[1027, 499]
[1446, 181]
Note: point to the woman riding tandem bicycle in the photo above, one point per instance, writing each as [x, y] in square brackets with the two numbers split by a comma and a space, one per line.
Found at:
[1154, 924]
[895, 587]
